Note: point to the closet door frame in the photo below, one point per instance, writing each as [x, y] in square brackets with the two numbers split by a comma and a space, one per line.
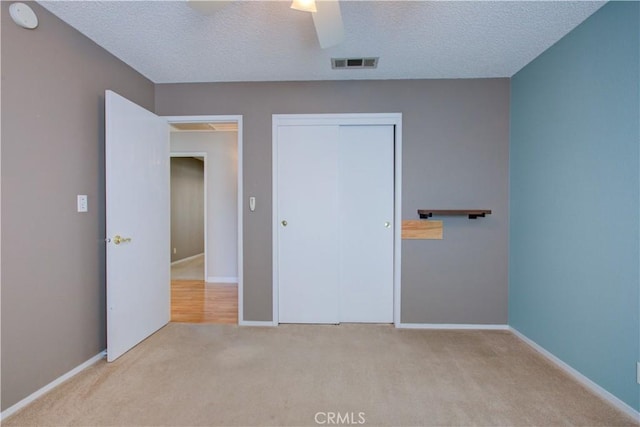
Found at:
[394, 119]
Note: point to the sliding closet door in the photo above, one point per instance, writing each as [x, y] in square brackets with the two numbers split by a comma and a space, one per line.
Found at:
[335, 216]
[308, 238]
[366, 189]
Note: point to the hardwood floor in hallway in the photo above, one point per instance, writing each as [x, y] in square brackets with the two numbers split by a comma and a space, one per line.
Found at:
[194, 301]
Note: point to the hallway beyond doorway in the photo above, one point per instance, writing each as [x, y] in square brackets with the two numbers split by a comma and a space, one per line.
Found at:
[191, 269]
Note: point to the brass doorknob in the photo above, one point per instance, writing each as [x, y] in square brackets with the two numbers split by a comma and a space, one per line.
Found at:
[119, 239]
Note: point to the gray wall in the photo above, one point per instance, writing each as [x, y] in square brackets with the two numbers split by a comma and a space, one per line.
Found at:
[53, 274]
[455, 155]
[187, 207]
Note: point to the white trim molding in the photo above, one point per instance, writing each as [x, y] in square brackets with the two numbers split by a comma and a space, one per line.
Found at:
[222, 279]
[591, 385]
[219, 119]
[189, 258]
[257, 323]
[453, 326]
[53, 384]
[394, 119]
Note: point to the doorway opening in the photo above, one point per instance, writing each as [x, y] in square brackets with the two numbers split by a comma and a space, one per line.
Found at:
[205, 221]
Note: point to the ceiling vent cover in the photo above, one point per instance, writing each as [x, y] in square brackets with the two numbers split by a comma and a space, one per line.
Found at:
[352, 63]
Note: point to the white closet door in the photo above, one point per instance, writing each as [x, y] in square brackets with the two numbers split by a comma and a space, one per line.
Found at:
[366, 163]
[308, 238]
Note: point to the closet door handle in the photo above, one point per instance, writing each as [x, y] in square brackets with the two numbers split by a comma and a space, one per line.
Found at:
[387, 224]
[284, 223]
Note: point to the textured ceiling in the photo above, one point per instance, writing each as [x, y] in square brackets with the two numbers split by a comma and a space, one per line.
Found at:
[168, 42]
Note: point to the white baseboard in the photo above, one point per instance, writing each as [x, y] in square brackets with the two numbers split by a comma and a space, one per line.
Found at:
[263, 324]
[624, 407]
[222, 279]
[189, 258]
[33, 396]
[452, 326]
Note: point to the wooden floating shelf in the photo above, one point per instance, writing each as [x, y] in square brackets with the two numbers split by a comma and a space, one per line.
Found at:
[421, 230]
[471, 213]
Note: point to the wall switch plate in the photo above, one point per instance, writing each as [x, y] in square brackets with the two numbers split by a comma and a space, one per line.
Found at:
[175, 251]
[83, 203]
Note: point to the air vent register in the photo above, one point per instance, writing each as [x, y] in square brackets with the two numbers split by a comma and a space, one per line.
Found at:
[354, 63]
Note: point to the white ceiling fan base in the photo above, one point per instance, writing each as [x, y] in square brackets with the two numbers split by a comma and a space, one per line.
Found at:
[328, 23]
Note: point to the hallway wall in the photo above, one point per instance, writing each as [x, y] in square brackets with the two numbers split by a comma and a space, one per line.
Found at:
[187, 207]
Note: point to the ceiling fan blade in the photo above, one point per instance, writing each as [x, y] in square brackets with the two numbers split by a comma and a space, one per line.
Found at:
[207, 7]
[328, 23]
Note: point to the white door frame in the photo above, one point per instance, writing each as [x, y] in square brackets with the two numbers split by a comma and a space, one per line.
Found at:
[394, 119]
[206, 199]
[221, 119]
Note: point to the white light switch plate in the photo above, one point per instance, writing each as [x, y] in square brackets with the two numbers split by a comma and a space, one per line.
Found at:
[83, 204]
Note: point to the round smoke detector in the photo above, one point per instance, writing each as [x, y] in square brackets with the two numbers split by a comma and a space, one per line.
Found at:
[23, 15]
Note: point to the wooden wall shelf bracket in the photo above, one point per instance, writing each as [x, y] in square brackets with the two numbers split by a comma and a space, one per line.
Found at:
[471, 213]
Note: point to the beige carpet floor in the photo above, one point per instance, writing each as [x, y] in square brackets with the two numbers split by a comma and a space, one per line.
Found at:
[223, 375]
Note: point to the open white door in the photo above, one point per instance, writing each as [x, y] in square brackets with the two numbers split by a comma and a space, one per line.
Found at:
[138, 225]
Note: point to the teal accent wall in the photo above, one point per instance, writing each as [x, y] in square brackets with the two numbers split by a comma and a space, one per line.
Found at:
[574, 258]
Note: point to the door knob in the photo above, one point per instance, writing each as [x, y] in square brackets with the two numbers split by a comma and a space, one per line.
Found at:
[284, 223]
[119, 239]
[387, 224]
